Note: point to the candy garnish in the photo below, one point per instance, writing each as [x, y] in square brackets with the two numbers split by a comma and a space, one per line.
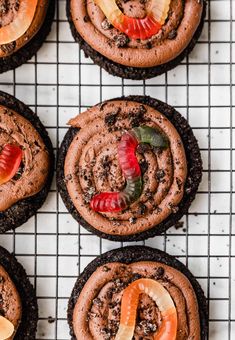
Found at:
[10, 159]
[164, 302]
[6, 328]
[118, 201]
[20, 23]
[136, 28]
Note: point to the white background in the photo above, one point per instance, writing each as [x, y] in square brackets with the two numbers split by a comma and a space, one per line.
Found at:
[58, 83]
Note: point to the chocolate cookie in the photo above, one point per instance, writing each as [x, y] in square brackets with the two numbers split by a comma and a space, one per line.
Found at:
[19, 295]
[102, 285]
[24, 193]
[128, 55]
[18, 52]
[168, 177]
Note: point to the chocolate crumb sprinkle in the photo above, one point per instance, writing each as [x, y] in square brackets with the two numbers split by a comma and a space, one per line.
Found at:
[106, 24]
[141, 209]
[51, 319]
[97, 301]
[160, 175]
[172, 35]
[160, 272]
[111, 118]
[132, 220]
[121, 40]
[86, 18]
[106, 269]
[173, 208]
[179, 225]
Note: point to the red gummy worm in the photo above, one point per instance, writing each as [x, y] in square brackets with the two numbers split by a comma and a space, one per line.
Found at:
[117, 201]
[10, 159]
[137, 28]
[127, 158]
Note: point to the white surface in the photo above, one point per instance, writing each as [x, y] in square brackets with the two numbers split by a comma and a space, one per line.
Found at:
[49, 245]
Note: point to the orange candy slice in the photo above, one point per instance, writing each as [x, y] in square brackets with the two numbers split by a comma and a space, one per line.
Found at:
[20, 23]
[10, 159]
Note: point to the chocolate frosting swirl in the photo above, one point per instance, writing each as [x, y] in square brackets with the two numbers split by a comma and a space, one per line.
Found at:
[15, 129]
[96, 315]
[8, 11]
[175, 35]
[91, 166]
[10, 303]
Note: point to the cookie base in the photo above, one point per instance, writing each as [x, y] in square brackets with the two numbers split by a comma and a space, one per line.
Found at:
[192, 182]
[128, 72]
[27, 51]
[21, 211]
[134, 254]
[28, 326]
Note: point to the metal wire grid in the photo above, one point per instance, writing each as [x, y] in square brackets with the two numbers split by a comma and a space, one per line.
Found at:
[58, 83]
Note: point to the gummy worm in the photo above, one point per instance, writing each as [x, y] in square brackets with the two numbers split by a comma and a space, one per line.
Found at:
[164, 302]
[118, 201]
[136, 28]
[10, 159]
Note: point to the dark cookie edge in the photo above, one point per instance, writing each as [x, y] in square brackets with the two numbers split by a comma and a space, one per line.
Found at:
[28, 327]
[127, 72]
[20, 212]
[29, 50]
[132, 254]
[193, 178]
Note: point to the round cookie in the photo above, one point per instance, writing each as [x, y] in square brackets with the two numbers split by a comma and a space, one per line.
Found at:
[28, 325]
[20, 211]
[194, 172]
[30, 48]
[126, 68]
[133, 258]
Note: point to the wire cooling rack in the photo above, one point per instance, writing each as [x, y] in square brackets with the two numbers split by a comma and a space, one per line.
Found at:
[58, 83]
